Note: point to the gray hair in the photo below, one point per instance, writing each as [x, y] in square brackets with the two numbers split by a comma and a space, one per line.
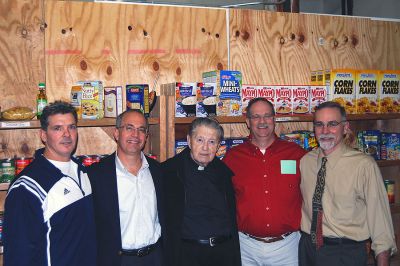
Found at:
[118, 122]
[331, 104]
[207, 122]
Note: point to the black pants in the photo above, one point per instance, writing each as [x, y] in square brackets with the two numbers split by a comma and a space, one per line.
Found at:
[202, 255]
[154, 258]
[332, 253]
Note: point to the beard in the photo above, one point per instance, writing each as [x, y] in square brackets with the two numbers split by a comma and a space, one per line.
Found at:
[326, 141]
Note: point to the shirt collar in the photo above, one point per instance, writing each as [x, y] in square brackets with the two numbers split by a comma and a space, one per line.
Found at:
[119, 165]
[253, 148]
[335, 156]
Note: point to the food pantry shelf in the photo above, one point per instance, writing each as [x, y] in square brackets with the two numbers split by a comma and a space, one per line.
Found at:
[34, 124]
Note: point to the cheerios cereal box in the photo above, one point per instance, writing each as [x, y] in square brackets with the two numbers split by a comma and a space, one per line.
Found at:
[229, 84]
[389, 101]
[367, 91]
[254, 91]
[92, 102]
[341, 88]
[283, 99]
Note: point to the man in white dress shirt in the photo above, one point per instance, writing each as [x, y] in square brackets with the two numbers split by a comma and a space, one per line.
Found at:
[127, 192]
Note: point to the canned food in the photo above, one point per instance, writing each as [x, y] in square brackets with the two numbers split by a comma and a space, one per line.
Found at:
[7, 170]
[21, 163]
[389, 185]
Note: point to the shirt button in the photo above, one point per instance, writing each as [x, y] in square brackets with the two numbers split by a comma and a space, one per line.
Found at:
[265, 175]
[263, 161]
[266, 192]
[267, 209]
[267, 225]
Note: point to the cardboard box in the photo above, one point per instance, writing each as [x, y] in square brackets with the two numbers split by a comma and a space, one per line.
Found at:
[367, 91]
[283, 100]
[341, 88]
[92, 99]
[301, 99]
[76, 99]
[254, 91]
[206, 99]
[318, 95]
[229, 84]
[137, 98]
[389, 101]
[185, 99]
[112, 101]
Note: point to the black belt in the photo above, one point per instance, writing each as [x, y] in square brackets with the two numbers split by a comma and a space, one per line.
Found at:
[268, 239]
[212, 241]
[140, 252]
[333, 241]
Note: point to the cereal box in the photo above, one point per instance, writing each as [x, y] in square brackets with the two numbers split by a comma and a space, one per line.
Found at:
[390, 147]
[235, 142]
[206, 99]
[367, 91]
[318, 95]
[76, 98]
[180, 145]
[185, 99]
[283, 99]
[137, 98]
[223, 147]
[371, 141]
[301, 99]
[112, 101]
[229, 84]
[341, 89]
[389, 101]
[254, 91]
[92, 99]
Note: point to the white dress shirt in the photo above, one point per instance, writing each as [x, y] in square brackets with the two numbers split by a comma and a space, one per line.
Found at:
[137, 206]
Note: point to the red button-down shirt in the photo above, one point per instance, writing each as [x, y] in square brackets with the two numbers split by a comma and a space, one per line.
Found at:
[267, 187]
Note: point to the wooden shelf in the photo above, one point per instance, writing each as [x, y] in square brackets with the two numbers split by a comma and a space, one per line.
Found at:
[291, 118]
[35, 124]
[384, 163]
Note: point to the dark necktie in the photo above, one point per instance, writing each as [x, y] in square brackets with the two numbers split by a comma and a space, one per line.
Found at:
[316, 224]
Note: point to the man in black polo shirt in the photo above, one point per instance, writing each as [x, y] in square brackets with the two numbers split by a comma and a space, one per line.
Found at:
[200, 204]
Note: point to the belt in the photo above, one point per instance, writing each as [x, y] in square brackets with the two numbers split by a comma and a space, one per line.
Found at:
[268, 239]
[212, 241]
[333, 241]
[140, 252]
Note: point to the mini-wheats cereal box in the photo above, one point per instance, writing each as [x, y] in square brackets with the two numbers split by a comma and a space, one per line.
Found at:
[389, 84]
[137, 98]
[206, 99]
[254, 91]
[92, 99]
[318, 95]
[283, 99]
[301, 99]
[341, 89]
[367, 91]
[229, 84]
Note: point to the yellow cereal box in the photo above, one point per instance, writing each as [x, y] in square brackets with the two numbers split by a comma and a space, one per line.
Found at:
[317, 77]
[341, 88]
[367, 91]
[389, 101]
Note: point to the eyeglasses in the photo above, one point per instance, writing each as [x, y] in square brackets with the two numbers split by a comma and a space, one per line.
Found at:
[130, 128]
[329, 124]
[265, 117]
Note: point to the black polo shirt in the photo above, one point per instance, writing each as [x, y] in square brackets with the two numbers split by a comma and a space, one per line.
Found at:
[206, 210]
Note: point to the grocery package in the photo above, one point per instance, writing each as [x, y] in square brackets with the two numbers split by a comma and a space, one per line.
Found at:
[389, 89]
[283, 100]
[137, 98]
[301, 99]
[185, 99]
[229, 84]
[390, 146]
[254, 91]
[92, 102]
[76, 99]
[341, 88]
[206, 99]
[113, 101]
[367, 91]
[318, 95]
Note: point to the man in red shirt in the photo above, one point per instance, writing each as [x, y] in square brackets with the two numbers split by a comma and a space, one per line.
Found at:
[267, 187]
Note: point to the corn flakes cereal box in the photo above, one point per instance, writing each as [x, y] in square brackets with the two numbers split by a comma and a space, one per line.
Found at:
[206, 99]
[137, 98]
[341, 89]
[283, 99]
[254, 91]
[229, 84]
[389, 101]
[112, 101]
[367, 91]
[92, 99]
[318, 95]
[301, 99]
[185, 99]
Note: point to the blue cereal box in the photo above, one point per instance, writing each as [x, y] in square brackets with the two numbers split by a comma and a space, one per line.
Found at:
[235, 142]
[180, 145]
[229, 84]
[137, 98]
[185, 99]
[390, 147]
[206, 99]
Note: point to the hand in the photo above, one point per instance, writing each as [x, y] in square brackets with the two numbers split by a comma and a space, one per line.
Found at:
[382, 258]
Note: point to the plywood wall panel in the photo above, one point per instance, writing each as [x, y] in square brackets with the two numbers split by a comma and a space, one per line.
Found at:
[22, 54]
